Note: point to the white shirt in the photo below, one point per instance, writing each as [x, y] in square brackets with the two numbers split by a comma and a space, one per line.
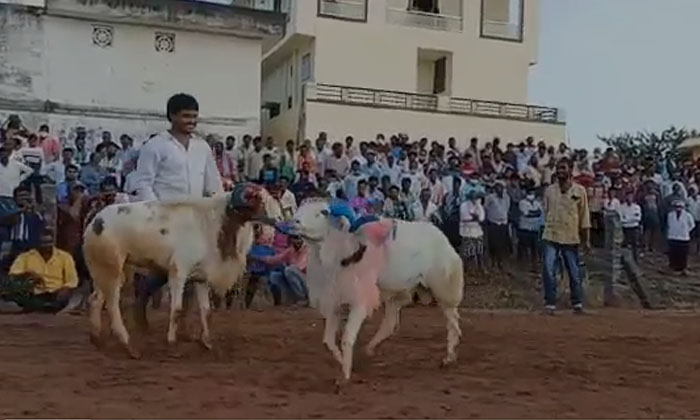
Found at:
[630, 215]
[288, 203]
[694, 207]
[55, 170]
[253, 164]
[166, 170]
[32, 157]
[528, 222]
[423, 214]
[470, 226]
[274, 155]
[612, 204]
[12, 175]
[679, 227]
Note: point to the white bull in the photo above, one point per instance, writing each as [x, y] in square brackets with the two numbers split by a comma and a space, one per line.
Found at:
[416, 254]
[203, 238]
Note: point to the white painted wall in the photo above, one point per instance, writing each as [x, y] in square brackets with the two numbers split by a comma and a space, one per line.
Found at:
[222, 72]
[365, 123]
[52, 58]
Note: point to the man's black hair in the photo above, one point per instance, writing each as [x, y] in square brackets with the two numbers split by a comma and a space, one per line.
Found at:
[68, 149]
[181, 102]
[72, 166]
[285, 177]
[21, 188]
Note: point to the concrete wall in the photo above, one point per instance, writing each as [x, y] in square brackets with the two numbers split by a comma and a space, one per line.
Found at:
[365, 123]
[124, 87]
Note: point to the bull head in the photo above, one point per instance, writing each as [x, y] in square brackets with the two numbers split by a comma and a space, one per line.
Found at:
[252, 203]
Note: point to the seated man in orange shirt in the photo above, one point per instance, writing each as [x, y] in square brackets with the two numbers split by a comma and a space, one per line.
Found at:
[41, 279]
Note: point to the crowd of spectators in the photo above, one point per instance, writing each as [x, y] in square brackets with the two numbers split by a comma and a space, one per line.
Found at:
[489, 198]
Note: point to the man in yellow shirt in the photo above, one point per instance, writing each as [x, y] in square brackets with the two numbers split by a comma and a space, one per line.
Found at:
[41, 279]
[567, 225]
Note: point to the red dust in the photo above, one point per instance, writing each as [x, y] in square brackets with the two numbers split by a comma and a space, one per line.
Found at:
[611, 364]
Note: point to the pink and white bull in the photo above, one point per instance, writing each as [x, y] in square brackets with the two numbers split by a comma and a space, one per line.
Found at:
[361, 270]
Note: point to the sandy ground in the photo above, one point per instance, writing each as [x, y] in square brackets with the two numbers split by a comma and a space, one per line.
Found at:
[272, 364]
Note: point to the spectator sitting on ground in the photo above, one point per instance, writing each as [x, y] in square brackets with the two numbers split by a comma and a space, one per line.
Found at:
[41, 279]
[290, 272]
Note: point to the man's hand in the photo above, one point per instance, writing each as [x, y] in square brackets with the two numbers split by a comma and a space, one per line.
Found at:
[63, 294]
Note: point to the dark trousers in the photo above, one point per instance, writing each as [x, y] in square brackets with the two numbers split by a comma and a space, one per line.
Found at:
[20, 290]
[678, 254]
[631, 240]
[528, 243]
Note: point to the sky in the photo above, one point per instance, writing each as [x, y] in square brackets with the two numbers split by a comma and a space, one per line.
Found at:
[619, 65]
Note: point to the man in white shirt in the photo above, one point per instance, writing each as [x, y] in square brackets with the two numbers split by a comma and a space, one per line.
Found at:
[174, 164]
[254, 160]
[56, 170]
[12, 173]
[630, 217]
[679, 225]
[338, 162]
[271, 150]
[694, 210]
[287, 200]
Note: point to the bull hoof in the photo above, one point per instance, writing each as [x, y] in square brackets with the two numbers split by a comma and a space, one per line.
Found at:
[340, 384]
[95, 340]
[133, 353]
[448, 361]
[206, 343]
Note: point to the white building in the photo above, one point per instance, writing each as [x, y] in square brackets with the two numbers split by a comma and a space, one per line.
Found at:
[111, 65]
[434, 68]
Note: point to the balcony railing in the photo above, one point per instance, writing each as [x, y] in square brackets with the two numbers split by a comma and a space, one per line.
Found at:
[502, 30]
[504, 110]
[375, 97]
[449, 17]
[343, 9]
[421, 102]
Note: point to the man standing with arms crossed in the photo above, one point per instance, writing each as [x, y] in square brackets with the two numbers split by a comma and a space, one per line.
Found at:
[567, 225]
[174, 164]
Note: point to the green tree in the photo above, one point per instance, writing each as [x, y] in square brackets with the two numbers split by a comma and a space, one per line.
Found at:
[645, 146]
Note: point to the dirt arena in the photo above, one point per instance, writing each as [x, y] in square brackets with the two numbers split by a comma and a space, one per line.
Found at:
[272, 364]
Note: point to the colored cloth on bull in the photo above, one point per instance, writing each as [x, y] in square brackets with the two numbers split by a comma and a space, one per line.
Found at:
[244, 196]
[341, 208]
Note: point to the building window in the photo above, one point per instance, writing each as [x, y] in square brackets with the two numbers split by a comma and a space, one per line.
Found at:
[426, 6]
[306, 67]
[102, 35]
[502, 19]
[343, 9]
[165, 42]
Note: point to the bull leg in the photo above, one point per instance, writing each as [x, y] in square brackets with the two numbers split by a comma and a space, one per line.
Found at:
[352, 328]
[111, 295]
[454, 333]
[389, 325]
[202, 291]
[176, 284]
[330, 333]
[97, 301]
